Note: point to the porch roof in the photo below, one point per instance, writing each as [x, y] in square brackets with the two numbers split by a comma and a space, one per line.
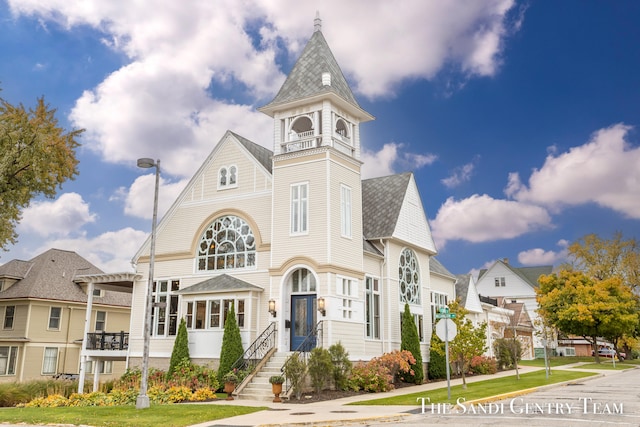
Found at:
[222, 283]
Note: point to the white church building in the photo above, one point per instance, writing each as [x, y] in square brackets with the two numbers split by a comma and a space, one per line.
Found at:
[308, 252]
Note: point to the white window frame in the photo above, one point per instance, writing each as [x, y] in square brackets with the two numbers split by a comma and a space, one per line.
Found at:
[346, 224]
[438, 301]
[10, 360]
[372, 307]
[59, 319]
[106, 365]
[170, 298]
[103, 321]
[7, 317]
[500, 282]
[209, 315]
[230, 173]
[299, 217]
[50, 361]
[347, 289]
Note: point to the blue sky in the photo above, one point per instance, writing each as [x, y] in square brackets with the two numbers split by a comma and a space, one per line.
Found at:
[519, 118]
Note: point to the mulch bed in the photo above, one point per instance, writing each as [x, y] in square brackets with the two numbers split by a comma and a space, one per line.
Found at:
[312, 397]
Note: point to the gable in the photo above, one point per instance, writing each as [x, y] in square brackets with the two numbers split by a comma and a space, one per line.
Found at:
[515, 283]
[412, 225]
[251, 163]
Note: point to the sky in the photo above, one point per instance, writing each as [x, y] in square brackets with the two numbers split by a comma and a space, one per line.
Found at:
[519, 119]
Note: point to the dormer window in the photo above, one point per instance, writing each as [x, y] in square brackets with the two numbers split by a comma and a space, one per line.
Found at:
[227, 177]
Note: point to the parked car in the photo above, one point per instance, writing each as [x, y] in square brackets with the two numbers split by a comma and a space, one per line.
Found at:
[609, 352]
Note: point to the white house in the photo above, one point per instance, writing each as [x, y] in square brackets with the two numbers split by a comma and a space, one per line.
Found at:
[304, 248]
[515, 285]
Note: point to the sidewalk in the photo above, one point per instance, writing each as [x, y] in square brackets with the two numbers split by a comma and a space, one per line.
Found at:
[336, 412]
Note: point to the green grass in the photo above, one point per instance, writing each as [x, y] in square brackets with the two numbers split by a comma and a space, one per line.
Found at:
[482, 389]
[177, 415]
[607, 365]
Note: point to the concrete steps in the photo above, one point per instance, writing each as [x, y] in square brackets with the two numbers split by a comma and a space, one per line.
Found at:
[260, 388]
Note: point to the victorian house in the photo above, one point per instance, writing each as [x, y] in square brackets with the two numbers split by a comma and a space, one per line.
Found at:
[306, 251]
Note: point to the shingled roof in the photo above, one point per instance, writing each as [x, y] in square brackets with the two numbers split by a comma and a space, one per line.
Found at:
[305, 79]
[262, 154]
[222, 283]
[529, 274]
[381, 204]
[50, 276]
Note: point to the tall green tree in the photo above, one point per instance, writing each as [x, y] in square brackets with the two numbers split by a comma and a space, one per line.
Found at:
[36, 157]
[437, 359]
[410, 340]
[470, 340]
[231, 349]
[180, 351]
[578, 304]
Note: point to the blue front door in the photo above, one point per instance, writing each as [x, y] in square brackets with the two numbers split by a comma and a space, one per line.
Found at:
[303, 321]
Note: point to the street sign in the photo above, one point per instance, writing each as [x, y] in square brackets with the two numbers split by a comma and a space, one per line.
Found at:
[445, 314]
[446, 330]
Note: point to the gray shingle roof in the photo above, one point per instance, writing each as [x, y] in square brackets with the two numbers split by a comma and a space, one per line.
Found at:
[462, 286]
[222, 283]
[305, 79]
[15, 269]
[381, 203]
[262, 154]
[529, 274]
[50, 276]
[436, 266]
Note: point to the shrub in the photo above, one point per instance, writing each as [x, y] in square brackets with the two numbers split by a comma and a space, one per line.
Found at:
[341, 365]
[193, 376]
[51, 401]
[276, 379]
[179, 394]
[295, 369]
[180, 352]
[437, 359]
[508, 352]
[96, 398]
[320, 368]
[380, 373]
[410, 341]
[483, 365]
[203, 394]
[231, 349]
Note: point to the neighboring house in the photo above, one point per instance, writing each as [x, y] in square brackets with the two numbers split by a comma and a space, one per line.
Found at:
[304, 249]
[43, 307]
[516, 285]
[483, 309]
[521, 327]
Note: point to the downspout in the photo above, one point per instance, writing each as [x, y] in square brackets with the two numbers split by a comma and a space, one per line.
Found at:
[384, 279]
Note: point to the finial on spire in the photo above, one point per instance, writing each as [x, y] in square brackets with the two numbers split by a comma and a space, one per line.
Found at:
[317, 23]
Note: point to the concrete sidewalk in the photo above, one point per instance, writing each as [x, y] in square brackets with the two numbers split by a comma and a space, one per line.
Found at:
[336, 412]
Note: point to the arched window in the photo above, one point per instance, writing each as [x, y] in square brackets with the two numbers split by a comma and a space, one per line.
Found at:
[223, 177]
[342, 129]
[232, 175]
[409, 277]
[227, 243]
[301, 128]
[303, 280]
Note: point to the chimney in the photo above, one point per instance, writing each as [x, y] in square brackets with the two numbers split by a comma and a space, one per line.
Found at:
[505, 260]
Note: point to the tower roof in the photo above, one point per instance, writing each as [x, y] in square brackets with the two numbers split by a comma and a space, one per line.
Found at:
[309, 78]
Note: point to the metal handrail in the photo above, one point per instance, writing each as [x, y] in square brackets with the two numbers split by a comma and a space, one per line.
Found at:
[257, 350]
[310, 342]
[108, 340]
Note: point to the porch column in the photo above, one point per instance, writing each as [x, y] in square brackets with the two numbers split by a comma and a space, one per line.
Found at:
[83, 350]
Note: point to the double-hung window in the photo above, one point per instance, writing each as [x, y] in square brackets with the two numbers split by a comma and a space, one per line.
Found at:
[50, 361]
[55, 313]
[211, 314]
[345, 211]
[9, 313]
[299, 208]
[8, 357]
[164, 317]
[101, 320]
[372, 307]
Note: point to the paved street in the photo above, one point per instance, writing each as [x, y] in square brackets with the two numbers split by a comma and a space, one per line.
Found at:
[611, 400]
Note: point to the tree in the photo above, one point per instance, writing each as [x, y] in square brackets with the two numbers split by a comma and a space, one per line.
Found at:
[410, 341]
[437, 359]
[37, 157]
[604, 259]
[470, 340]
[231, 349]
[320, 368]
[180, 351]
[578, 304]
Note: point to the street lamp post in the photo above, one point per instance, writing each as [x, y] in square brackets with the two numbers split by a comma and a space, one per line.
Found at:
[143, 399]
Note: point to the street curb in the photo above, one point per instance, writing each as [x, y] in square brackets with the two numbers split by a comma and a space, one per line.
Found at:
[345, 422]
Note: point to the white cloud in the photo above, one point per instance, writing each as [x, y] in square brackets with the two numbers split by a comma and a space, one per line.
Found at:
[162, 101]
[603, 171]
[460, 175]
[390, 159]
[61, 217]
[139, 197]
[538, 256]
[483, 219]
[111, 251]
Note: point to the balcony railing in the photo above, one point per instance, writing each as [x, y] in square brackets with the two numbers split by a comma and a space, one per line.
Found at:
[108, 340]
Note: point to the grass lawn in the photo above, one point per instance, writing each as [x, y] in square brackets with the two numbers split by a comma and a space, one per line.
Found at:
[482, 389]
[177, 415]
[608, 365]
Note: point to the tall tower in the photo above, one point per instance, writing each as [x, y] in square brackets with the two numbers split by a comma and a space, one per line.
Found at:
[317, 190]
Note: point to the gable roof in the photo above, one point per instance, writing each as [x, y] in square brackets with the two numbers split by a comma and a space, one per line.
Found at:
[15, 269]
[436, 266]
[222, 283]
[381, 204]
[263, 155]
[529, 275]
[305, 79]
[50, 276]
[462, 286]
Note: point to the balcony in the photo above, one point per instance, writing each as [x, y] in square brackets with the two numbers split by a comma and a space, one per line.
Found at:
[111, 341]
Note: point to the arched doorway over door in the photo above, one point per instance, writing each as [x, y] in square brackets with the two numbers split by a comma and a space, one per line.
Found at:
[302, 283]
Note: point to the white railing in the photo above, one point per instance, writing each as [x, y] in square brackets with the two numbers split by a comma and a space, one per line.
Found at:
[342, 147]
[302, 144]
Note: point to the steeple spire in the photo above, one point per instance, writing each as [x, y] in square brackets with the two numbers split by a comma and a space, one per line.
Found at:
[317, 23]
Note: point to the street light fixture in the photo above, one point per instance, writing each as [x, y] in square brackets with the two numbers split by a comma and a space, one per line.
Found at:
[143, 399]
